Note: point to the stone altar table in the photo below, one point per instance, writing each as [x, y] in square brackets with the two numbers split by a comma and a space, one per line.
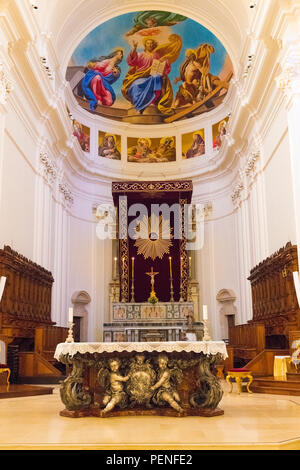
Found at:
[143, 378]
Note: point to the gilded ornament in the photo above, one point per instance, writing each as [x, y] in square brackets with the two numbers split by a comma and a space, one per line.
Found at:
[141, 378]
[153, 244]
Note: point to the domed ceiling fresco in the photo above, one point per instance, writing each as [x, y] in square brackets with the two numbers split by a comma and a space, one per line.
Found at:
[150, 67]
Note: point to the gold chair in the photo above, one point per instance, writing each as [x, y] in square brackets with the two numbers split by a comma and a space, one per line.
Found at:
[4, 368]
[238, 375]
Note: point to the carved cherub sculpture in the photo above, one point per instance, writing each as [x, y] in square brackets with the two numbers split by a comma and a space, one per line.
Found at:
[164, 388]
[114, 393]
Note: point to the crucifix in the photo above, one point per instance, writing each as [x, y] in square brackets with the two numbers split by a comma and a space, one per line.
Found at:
[152, 274]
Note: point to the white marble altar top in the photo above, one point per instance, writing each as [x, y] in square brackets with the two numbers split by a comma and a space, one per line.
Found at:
[205, 347]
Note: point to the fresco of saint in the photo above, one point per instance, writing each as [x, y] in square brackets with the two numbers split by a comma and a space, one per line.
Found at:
[197, 81]
[100, 75]
[153, 150]
[83, 135]
[143, 85]
[166, 151]
[141, 151]
[221, 132]
[198, 146]
[108, 147]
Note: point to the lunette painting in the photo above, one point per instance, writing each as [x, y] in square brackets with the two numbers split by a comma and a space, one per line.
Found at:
[150, 67]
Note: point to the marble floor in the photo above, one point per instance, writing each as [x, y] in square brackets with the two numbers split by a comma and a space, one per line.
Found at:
[251, 421]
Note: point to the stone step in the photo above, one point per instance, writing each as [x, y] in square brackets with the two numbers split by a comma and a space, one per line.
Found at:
[275, 386]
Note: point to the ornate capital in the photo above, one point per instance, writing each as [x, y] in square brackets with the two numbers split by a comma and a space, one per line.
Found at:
[6, 85]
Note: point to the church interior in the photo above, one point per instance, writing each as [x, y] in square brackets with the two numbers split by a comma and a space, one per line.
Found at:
[149, 274]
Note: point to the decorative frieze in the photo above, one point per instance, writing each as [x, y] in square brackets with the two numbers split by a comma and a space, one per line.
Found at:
[67, 193]
[250, 168]
[246, 177]
[236, 194]
[49, 168]
[52, 176]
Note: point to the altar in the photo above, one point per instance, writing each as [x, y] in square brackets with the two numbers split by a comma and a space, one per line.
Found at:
[143, 378]
[163, 321]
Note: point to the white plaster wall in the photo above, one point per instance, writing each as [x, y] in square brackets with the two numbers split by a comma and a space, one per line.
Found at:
[216, 263]
[279, 197]
[17, 199]
[90, 270]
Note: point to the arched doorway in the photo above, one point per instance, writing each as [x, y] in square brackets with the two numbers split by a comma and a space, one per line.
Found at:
[80, 315]
[227, 312]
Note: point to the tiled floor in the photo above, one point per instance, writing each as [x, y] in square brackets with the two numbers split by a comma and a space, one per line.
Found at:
[251, 421]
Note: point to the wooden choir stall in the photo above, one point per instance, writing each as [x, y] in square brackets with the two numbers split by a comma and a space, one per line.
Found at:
[275, 325]
[26, 329]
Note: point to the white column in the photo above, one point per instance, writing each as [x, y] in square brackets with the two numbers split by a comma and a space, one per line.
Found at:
[247, 254]
[57, 314]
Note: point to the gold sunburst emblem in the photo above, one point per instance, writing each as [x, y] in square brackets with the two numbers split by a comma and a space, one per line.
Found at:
[154, 237]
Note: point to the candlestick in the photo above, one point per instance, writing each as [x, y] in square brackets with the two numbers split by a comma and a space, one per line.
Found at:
[171, 290]
[2, 285]
[123, 299]
[132, 281]
[114, 293]
[70, 338]
[205, 315]
[170, 260]
[189, 292]
[70, 315]
[171, 281]
[190, 267]
[181, 285]
[206, 336]
[115, 268]
[181, 291]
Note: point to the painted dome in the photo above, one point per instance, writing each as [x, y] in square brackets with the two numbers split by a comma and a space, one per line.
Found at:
[149, 67]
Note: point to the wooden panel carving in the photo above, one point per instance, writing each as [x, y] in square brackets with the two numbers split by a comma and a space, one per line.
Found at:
[273, 293]
[26, 301]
